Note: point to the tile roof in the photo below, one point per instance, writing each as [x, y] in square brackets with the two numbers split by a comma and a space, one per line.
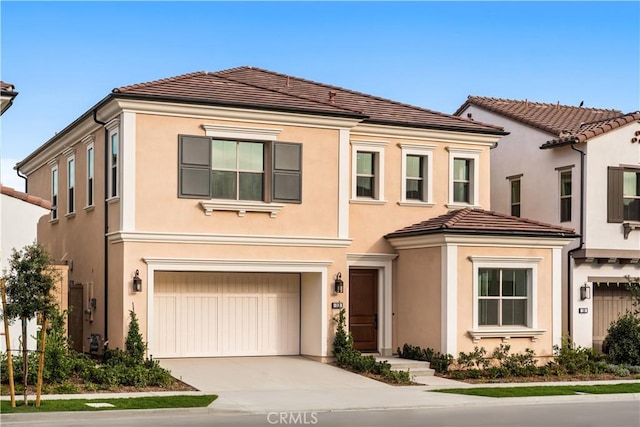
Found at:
[256, 87]
[6, 87]
[8, 191]
[590, 130]
[482, 222]
[555, 119]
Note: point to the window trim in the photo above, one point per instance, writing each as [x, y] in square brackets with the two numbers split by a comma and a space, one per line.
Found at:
[426, 152]
[472, 154]
[113, 129]
[90, 191]
[55, 193]
[566, 196]
[506, 332]
[635, 197]
[378, 148]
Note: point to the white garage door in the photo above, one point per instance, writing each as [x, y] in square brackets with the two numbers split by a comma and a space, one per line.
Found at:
[204, 314]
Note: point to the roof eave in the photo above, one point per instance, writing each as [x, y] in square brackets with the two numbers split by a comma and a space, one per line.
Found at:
[480, 232]
[437, 127]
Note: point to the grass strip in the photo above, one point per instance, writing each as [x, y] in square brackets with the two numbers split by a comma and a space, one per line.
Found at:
[551, 390]
[150, 402]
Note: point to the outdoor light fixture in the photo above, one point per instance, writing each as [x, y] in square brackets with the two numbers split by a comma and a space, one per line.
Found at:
[585, 292]
[137, 282]
[338, 284]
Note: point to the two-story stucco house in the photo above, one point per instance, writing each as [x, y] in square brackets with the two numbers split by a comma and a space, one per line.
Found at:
[238, 211]
[577, 167]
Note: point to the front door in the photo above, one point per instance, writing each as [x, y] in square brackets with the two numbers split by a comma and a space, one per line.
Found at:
[363, 309]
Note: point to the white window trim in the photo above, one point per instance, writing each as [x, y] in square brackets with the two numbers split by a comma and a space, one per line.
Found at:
[425, 151]
[506, 332]
[71, 157]
[378, 148]
[241, 132]
[241, 206]
[472, 154]
[113, 128]
[90, 146]
[560, 196]
[55, 214]
[511, 203]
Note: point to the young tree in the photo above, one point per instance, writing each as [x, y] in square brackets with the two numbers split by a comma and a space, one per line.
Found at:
[30, 282]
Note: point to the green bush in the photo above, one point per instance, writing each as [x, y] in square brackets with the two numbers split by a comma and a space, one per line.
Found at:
[409, 351]
[577, 360]
[622, 343]
[134, 344]
[474, 359]
[441, 362]
[342, 340]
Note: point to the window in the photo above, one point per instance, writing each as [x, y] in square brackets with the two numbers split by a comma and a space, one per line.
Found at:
[503, 297]
[113, 164]
[366, 174]
[54, 192]
[416, 174]
[565, 196]
[515, 184]
[227, 169]
[90, 174]
[71, 184]
[631, 195]
[367, 170]
[463, 176]
[461, 181]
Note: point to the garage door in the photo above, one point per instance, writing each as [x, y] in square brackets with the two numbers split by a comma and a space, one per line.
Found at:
[610, 301]
[204, 314]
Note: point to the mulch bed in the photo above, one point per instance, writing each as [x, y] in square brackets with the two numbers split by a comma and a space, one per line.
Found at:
[82, 389]
[540, 378]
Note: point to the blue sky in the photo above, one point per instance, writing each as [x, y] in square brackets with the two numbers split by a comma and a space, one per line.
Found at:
[65, 57]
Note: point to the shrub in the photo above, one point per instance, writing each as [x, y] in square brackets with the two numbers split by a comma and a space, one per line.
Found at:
[416, 353]
[134, 344]
[575, 359]
[622, 343]
[342, 340]
[474, 359]
[441, 362]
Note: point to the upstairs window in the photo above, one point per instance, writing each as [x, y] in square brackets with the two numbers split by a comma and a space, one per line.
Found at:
[623, 194]
[462, 180]
[366, 174]
[114, 148]
[565, 196]
[515, 185]
[54, 193]
[417, 179]
[228, 169]
[90, 174]
[415, 184]
[71, 184]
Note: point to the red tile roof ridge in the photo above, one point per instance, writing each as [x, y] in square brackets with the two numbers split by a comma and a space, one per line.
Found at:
[599, 127]
[530, 221]
[28, 198]
[6, 86]
[457, 216]
[164, 80]
[328, 86]
[544, 104]
[306, 98]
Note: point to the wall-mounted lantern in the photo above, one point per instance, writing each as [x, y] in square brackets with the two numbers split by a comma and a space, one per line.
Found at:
[585, 292]
[137, 282]
[338, 284]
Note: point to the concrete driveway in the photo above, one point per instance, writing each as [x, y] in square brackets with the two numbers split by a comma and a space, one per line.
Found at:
[294, 383]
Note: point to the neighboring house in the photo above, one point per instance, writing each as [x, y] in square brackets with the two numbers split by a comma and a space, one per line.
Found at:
[7, 94]
[236, 212]
[580, 168]
[19, 215]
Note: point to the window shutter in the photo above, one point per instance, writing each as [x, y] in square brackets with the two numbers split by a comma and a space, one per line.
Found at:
[194, 167]
[614, 195]
[287, 172]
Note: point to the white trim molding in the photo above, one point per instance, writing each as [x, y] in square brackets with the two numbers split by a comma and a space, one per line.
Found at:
[384, 264]
[241, 206]
[227, 239]
[378, 148]
[241, 132]
[466, 153]
[426, 152]
[438, 239]
[506, 332]
[556, 296]
[343, 184]
[127, 166]
[449, 299]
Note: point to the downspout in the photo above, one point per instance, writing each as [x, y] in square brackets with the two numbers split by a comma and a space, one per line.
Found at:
[26, 182]
[106, 224]
[581, 238]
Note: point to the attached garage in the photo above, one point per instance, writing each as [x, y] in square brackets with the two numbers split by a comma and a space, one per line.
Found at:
[610, 301]
[208, 314]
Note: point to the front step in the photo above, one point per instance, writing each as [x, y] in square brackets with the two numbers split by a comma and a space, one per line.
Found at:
[416, 368]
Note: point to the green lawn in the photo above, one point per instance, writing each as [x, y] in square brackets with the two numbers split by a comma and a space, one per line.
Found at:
[545, 390]
[152, 402]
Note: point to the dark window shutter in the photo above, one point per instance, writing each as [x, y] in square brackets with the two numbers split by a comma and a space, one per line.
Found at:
[287, 172]
[614, 195]
[194, 167]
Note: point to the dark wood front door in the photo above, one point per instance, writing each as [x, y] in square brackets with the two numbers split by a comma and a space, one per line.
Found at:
[75, 319]
[363, 309]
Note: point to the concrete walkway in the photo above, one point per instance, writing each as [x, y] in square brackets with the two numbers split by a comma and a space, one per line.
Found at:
[280, 384]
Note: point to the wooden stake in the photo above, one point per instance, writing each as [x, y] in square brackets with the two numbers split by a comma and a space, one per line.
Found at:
[12, 389]
[43, 340]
